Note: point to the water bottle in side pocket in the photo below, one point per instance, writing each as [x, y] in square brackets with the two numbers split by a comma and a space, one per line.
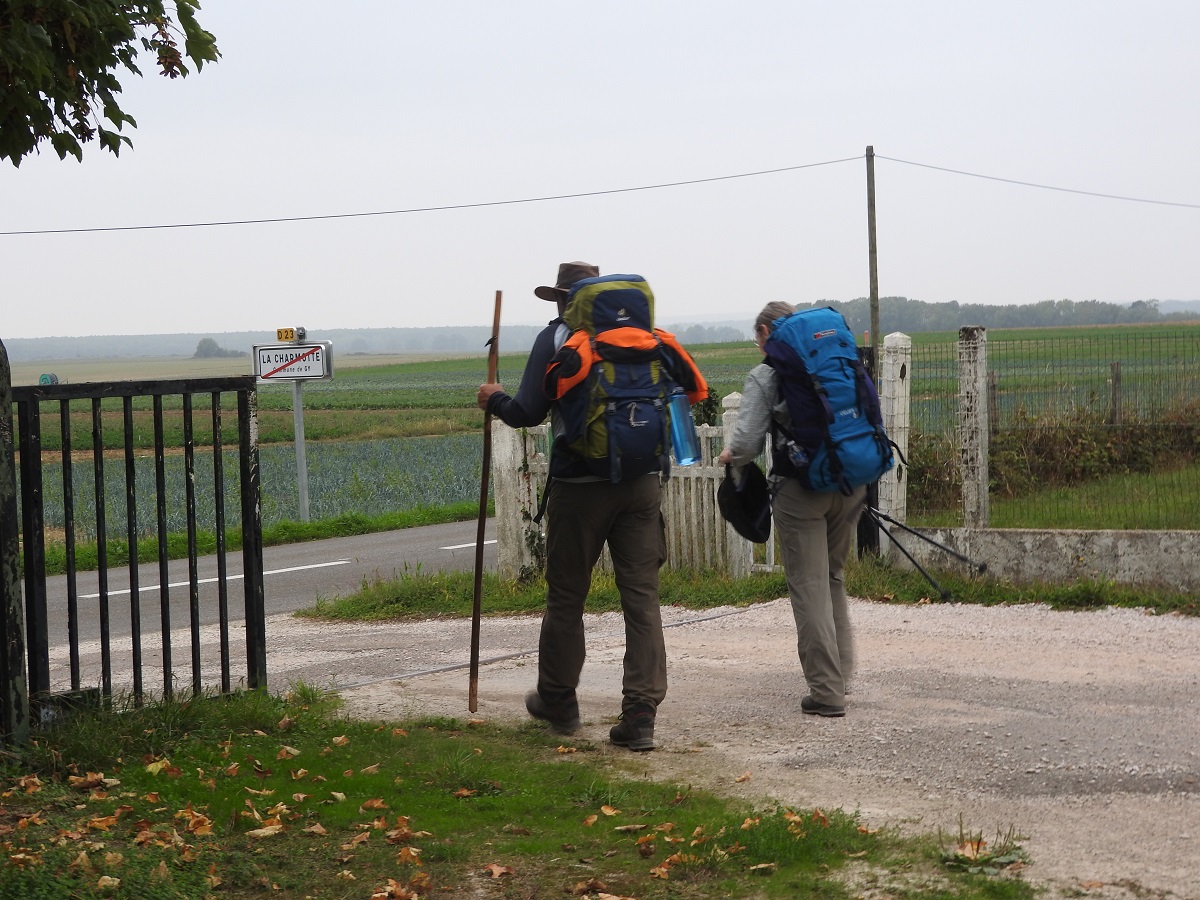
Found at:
[684, 440]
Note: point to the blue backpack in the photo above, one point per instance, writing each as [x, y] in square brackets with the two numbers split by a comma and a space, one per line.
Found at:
[837, 441]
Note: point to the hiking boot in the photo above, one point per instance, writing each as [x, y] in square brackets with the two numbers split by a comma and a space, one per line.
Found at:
[635, 730]
[561, 721]
[811, 707]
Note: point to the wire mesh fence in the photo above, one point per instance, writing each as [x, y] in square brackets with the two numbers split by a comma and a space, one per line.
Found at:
[1094, 429]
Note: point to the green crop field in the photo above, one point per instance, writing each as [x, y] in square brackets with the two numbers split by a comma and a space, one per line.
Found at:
[388, 434]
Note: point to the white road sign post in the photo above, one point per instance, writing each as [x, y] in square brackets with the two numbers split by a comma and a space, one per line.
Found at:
[297, 362]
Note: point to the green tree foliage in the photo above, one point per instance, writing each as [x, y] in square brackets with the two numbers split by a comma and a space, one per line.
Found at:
[59, 61]
[210, 349]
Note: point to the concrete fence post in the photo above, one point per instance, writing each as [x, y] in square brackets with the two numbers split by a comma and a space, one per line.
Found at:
[519, 542]
[895, 397]
[973, 424]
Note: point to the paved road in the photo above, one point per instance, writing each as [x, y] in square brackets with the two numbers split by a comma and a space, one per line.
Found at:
[296, 575]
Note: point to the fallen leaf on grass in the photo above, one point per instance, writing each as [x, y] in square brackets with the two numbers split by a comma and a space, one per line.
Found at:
[286, 752]
[373, 803]
[763, 869]
[315, 828]
[464, 792]
[409, 855]
[265, 832]
[393, 890]
[495, 870]
[345, 875]
[631, 827]
[745, 776]
[590, 820]
[610, 810]
[369, 770]
[586, 887]
[108, 883]
[340, 741]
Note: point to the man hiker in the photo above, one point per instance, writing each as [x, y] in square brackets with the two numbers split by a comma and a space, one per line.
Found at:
[584, 511]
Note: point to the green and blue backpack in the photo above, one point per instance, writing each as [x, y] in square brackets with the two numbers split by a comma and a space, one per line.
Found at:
[612, 379]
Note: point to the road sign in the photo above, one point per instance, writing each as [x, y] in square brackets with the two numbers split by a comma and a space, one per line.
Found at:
[293, 362]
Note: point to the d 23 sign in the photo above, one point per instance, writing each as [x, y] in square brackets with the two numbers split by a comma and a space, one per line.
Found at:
[293, 362]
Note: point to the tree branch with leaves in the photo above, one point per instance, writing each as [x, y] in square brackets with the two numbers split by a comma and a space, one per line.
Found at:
[59, 62]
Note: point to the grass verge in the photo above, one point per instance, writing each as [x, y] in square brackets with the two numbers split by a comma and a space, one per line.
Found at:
[422, 595]
[252, 795]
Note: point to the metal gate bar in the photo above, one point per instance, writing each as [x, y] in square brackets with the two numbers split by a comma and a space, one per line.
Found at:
[25, 627]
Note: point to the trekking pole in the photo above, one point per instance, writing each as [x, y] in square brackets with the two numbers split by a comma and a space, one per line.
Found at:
[477, 608]
[877, 515]
[942, 592]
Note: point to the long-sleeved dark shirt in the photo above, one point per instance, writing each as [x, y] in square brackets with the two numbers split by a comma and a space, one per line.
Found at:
[531, 404]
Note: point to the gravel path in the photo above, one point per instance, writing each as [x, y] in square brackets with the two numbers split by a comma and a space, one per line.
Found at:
[1082, 730]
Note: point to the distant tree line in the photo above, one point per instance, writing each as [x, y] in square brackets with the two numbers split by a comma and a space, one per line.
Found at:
[912, 316]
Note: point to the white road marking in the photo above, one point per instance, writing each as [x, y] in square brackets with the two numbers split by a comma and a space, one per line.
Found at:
[154, 587]
[462, 546]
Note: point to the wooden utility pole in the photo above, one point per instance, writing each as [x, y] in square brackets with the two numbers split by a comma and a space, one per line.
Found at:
[868, 532]
[873, 262]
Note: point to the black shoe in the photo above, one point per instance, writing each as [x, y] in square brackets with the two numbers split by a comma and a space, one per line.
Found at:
[635, 730]
[811, 707]
[561, 721]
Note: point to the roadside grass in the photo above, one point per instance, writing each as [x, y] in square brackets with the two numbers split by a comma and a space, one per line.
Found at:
[253, 795]
[418, 594]
[871, 578]
[421, 595]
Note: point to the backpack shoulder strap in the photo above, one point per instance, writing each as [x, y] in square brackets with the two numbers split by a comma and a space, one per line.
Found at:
[570, 365]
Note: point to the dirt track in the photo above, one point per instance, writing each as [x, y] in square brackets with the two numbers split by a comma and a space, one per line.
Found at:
[1080, 729]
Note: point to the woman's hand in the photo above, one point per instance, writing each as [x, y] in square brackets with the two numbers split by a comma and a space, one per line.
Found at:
[726, 457]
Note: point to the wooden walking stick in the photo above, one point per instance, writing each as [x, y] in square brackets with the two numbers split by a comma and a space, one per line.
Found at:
[476, 610]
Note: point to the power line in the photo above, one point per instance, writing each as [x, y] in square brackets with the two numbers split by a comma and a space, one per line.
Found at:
[645, 187]
[1044, 187]
[423, 209]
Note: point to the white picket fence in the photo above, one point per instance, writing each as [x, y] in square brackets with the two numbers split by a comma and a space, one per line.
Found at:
[697, 537]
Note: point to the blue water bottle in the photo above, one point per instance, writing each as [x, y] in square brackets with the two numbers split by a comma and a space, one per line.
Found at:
[684, 440]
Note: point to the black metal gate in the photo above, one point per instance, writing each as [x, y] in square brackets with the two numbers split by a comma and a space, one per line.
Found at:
[65, 492]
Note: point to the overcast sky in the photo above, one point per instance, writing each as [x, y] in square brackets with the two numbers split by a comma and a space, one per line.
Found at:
[322, 109]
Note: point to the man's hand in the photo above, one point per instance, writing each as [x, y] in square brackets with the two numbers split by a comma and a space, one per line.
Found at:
[725, 458]
[485, 392]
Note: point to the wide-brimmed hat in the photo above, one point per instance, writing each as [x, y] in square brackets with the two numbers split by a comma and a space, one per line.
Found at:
[568, 274]
[745, 502]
